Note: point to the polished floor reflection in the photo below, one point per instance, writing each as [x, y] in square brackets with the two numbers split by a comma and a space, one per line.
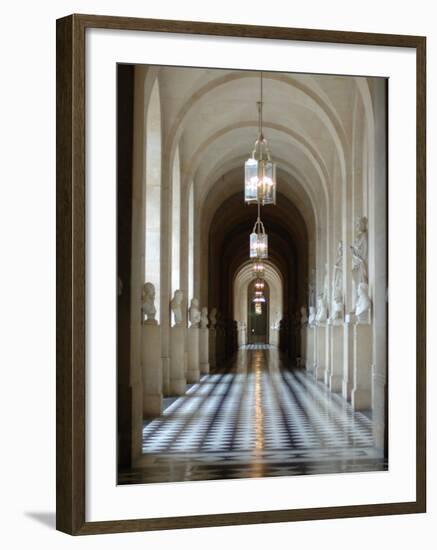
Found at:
[257, 418]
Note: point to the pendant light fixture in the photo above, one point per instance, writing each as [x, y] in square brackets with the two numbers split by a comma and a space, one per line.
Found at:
[258, 269]
[258, 309]
[259, 169]
[258, 240]
[259, 298]
[259, 284]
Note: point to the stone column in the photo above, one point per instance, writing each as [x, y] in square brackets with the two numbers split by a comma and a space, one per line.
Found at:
[177, 360]
[311, 358]
[362, 390]
[204, 350]
[321, 352]
[212, 338]
[303, 344]
[241, 334]
[379, 412]
[328, 367]
[348, 357]
[151, 365]
[336, 356]
[193, 371]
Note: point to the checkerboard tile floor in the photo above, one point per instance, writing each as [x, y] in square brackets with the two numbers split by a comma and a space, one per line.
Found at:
[258, 417]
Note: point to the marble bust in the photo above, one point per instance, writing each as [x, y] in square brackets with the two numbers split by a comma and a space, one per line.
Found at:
[148, 303]
[194, 312]
[176, 306]
[213, 317]
[204, 318]
[362, 308]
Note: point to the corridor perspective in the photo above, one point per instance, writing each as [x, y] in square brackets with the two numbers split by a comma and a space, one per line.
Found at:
[255, 419]
[252, 274]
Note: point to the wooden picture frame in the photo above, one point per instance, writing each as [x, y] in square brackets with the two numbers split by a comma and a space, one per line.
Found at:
[71, 284]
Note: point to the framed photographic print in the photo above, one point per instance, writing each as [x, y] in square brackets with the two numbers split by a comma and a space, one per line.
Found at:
[240, 274]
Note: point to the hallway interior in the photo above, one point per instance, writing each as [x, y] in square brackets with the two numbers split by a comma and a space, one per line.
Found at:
[258, 417]
[252, 271]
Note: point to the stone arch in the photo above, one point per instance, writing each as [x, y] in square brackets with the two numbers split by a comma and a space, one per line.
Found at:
[274, 279]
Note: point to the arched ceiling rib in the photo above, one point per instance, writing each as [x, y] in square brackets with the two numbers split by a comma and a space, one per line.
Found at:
[194, 85]
[307, 116]
[245, 275]
[292, 155]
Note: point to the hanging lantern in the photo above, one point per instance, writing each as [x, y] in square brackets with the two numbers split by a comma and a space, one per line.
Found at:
[260, 175]
[259, 284]
[259, 169]
[258, 297]
[258, 269]
[258, 309]
[258, 241]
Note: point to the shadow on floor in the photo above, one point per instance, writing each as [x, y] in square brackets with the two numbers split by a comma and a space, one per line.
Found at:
[46, 518]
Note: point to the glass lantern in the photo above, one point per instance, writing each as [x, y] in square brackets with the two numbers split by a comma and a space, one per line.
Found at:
[258, 269]
[258, 241]
[258, 309]
[260, 175]
[259, 284]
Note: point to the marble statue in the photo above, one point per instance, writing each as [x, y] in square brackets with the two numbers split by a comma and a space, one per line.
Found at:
[194, 312]
[312, 316]
[204, 318]
[176, 306]
[337, 306]
[322, 300]
[213, 317]
[360, 253]
[325, 290]
[322, 309]
[312, 290]
[148, 303]
[303, 316]
[362, 308]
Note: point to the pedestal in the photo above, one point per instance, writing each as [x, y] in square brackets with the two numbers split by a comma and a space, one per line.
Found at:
[204, 350]
[362, 393]
[303, 345]
[241, 335]
[165, 375]
[311, 348]
[348, 357]
[177, 360]
[320, 352]
[193, 372]
[336, 356]
[328, 368]
[379, 412]
[151, 366]
[212, 337]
